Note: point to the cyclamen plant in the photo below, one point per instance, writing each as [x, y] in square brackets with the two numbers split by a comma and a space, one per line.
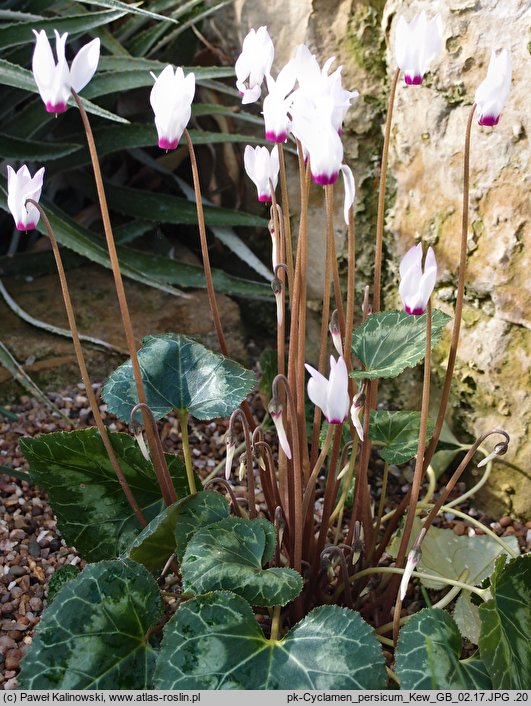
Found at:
[330, 584]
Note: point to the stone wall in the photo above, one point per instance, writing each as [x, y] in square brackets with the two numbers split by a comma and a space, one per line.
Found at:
[424, 187]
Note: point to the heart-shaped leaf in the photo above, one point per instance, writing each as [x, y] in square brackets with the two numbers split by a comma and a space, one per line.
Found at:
[506, 625]
[214, 642]
[427, 655]
[396, 434]
[94, 634]
[92, 511]
[182, 374]
[446, 555]
[229, 555]
[170, 531]
[389, 342]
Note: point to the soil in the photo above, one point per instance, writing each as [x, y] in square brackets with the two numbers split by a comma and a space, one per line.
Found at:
[32, 548]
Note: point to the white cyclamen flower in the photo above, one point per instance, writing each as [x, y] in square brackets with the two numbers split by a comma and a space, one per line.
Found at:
[275, 409]
[312, 125]
[277, 104]
[315, 84]
[330, 395]
[254, 63]
[416, 44]
[416, 284]
[55, 81]
[262, 166]
[20, 187]
[171, 99]
[350, 191]
[493, 91]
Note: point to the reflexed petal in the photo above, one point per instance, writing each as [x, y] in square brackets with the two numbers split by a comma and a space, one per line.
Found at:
[337, 395]
[350, 190]
[84, 65]
[281, 433]
[317, 387]
[251, 95]
[43, 63]
[412, 259]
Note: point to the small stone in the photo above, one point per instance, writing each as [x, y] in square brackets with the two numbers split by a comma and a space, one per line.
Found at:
[34, 548]
[505, 521]
[35, 604]
[55, 545]
[17, 570]
[459, 528]
[13, 658]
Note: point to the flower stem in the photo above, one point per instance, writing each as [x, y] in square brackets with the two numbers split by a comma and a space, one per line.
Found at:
[183, 420]
[459, 299]
[285, 212]
[248, 456]
[381, 196]
[206, 266]
[158, 459]
[84, 371]
[308, 492]
[419, 464]
[275, 624]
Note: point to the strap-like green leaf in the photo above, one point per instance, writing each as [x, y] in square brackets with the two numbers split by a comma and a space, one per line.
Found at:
[229, 555]
[396, 434]
[21, 32]
[214, 642]
[179, 373]
[93, 636]
[392, 341]
[427, 655]
[129, 8]
[22, 150]
[506, 625]
[92, 511]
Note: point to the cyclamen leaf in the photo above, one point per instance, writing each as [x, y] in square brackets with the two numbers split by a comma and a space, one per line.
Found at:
[93, 636]
[179, 373]
[389, 342]
[214, 642]
[169, 532]
[229, 555]
[427, 655]
[506, 625]
[396, 434]
[92, 511]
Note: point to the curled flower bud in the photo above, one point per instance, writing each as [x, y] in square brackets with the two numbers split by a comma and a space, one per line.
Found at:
[335, 332]
[242, 468]
[499, 450]
[275, 410]
[21, 186]
[230, 447]
[412, 561]
[358, 403]
[416, 284]
[276, 286]
[493, 91]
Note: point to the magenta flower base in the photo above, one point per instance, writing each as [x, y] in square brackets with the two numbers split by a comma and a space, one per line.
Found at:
[489, 120]
[55, 108]
[25, 226]
[166, 144]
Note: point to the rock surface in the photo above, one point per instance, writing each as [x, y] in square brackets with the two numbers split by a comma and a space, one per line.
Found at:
[424, 188]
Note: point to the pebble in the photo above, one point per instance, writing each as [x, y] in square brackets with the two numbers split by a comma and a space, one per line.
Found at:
[459, 528]
[505, 521]
[34, 548]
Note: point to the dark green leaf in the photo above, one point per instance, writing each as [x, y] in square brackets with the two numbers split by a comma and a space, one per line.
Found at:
[392, 341]
[168, 533]
[506, 625]
[128, 8]
[229, 555]
[21, 32]
[26, 150]
[94, 634]
[60, 578]
[16, 76]
[427, 655]
[195, 512]
[92, 511]
[179, 373]
[214, 642]
[396, 434]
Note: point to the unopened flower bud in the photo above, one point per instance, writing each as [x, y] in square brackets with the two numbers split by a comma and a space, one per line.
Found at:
[139, 438]
[412, 561]
[499, 450]
[358, 403]
[275, 410]
[276, 286]
[335, 332]
[230, 446]
[242, 468]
